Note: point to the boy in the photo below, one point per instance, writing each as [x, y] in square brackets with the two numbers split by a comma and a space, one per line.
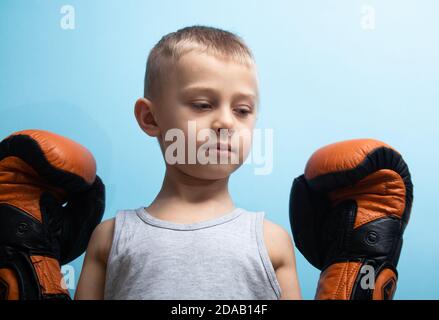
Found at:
[191, 242]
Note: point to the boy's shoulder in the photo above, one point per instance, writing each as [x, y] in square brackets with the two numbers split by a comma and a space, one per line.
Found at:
[104, 228]
[278, 242]
[102, 239]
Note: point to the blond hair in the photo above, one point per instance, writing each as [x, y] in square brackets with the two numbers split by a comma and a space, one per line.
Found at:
[174, 45]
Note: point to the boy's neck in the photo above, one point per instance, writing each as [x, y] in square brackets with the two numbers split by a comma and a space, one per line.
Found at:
[185, 199]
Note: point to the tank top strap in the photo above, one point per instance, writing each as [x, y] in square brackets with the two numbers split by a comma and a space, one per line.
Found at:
[259, 231]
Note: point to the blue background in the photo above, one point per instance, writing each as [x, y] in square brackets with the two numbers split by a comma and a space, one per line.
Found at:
[323, 79]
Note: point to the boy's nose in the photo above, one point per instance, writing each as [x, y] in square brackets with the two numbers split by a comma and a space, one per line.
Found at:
[223, 119]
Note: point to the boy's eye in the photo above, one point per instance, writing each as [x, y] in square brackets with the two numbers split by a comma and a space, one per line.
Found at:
[243, 111]
[202, 106]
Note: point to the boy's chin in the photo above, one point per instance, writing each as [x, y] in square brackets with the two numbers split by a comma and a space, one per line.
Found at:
[209, 171]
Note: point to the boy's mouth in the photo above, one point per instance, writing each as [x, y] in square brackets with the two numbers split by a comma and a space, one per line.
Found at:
[224, 146]
[220, 146]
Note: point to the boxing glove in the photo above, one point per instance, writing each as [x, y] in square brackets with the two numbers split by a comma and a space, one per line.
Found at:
[50, 202]
[348, 212]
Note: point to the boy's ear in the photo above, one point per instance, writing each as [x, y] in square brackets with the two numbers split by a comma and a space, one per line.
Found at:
[143, 110]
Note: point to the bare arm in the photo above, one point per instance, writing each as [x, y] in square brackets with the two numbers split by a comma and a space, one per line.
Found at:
[281, 251]
[92, 280]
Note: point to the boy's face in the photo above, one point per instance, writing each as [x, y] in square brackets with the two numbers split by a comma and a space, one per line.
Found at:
[214, 94]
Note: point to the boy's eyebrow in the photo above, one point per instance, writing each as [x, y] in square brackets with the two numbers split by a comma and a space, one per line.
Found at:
[201, 89]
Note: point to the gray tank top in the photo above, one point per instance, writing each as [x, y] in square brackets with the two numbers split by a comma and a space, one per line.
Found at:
[221, 258]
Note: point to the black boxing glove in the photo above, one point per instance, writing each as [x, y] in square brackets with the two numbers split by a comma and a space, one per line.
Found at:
[50, 202]
[348, 213]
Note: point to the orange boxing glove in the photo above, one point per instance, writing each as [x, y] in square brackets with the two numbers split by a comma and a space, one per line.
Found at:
[348, 213]
[50, 202]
